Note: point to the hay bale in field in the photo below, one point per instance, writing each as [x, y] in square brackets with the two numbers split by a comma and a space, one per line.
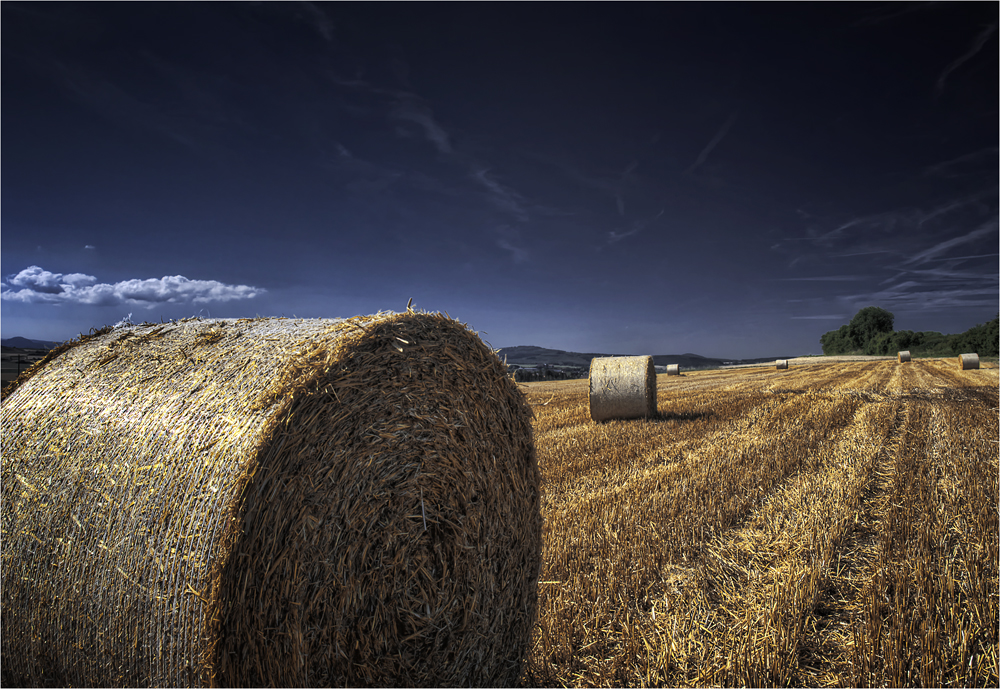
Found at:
[673, 369]
[269, 502]
[904, 356]
[968, 362]
[781, 364]
[622, 387]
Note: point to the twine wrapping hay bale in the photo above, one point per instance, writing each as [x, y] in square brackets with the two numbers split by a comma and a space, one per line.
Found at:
[270, 502]
[904, 356]
[673, 369]
[781, 364]
[968, 362]
[622, 387]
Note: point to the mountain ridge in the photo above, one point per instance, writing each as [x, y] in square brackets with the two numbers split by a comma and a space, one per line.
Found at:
[27, 343]
[525, 355]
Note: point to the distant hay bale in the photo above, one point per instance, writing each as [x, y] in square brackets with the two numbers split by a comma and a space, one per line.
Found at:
[673, 369]
[968, 362]
[622, 387]
[904, 356]
[781, 364]
[269, 502]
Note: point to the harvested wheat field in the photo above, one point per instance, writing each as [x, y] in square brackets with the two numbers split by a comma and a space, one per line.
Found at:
[830, 525]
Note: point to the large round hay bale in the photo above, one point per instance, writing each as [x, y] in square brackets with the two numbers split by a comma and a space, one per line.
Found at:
[968, 362]
[673, 369]
[781, 364]
[622, 387]
[904, 356]
[270, 502]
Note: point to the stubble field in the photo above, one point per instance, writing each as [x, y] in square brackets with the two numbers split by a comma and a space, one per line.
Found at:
[832, 524]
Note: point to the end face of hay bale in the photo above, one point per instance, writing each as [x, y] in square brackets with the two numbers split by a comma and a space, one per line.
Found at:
[968, 362]
[904, 356]
[673, 369]
[270, 502]
[622, 387]
[781, 364]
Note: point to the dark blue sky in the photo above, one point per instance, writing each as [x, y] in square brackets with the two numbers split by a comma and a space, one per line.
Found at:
[726, 179]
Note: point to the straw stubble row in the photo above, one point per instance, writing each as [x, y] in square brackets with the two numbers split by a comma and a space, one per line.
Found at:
[738, 541]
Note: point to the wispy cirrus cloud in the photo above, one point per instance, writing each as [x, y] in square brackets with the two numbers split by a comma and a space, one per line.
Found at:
[879, 15]
[983, 230]
[946, 168]
[518, 254]
[977, 45]
[638, 226]
[917, 296]
[502, 197]
[510, 240]
[612, 185]
[319, 20]
[405, 106]
[35, 285]
[412, 108]
[716, 140]
[825, 278]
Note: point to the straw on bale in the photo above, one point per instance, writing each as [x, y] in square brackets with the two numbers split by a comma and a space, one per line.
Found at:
[622, 387]
[269, 502]
[781, 364]
[673, 369]
[968, 362]
[904, 356]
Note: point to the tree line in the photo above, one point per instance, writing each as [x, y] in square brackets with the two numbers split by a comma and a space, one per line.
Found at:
[871, 332]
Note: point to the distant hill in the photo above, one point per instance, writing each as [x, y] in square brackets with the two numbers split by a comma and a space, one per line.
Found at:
[25, 343]
[536, 356]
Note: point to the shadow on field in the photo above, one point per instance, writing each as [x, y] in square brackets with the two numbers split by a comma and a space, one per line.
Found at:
[682, 416]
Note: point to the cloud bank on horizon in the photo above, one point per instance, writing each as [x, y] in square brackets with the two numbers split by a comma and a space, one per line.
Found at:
[35, 285]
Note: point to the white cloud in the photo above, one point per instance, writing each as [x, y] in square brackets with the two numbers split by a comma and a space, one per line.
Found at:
[39, 286]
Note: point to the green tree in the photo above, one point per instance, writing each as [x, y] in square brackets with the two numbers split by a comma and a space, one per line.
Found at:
[838, 341]
[984, 339]
[883, 343]
[868, 324]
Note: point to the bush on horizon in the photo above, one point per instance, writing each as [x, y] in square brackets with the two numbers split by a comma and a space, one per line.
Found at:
[870, 332]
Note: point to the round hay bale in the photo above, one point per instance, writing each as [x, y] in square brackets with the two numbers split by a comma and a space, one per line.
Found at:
[904, 356]
[673, 369]
[622, 387]
[968, 362]
[781, 364]
[270, 502]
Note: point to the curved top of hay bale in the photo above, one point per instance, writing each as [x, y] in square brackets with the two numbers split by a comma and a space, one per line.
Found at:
[904, 356]
[968, 362]
[622, 387]
[781, 363]
[269, 502]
